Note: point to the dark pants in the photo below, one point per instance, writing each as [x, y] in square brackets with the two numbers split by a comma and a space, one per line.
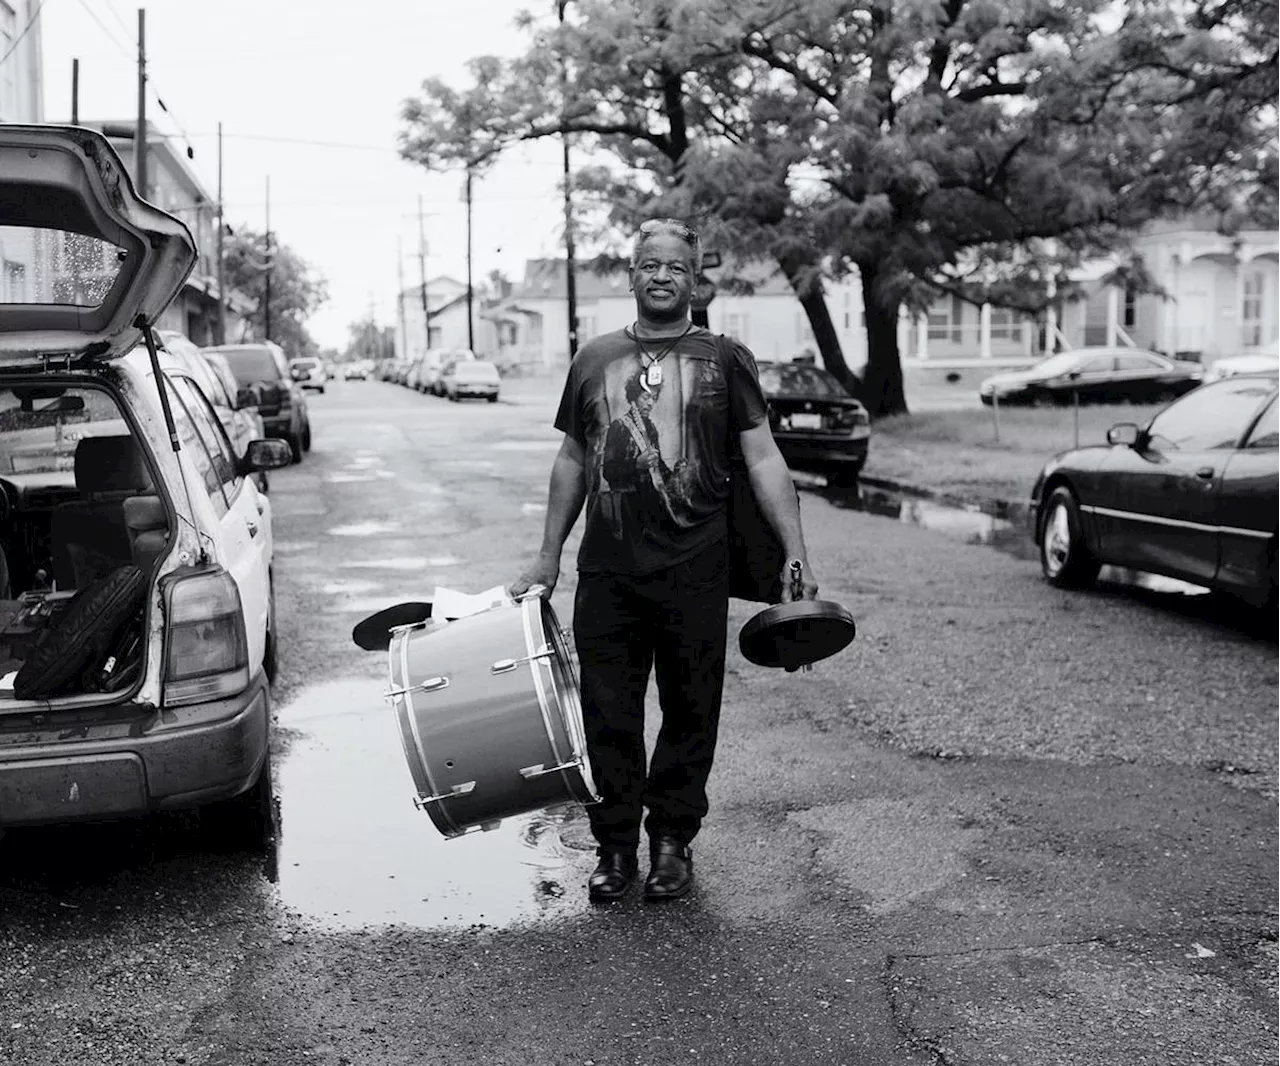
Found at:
[674, 622]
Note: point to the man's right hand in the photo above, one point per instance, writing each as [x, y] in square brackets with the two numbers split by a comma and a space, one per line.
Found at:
[545, 571]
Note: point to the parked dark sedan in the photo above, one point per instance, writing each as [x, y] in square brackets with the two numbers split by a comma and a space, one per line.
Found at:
[818, 426]
[1099, 375]
[1193, 495]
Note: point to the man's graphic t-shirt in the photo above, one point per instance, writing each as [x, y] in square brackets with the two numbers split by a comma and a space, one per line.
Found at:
[657, 458]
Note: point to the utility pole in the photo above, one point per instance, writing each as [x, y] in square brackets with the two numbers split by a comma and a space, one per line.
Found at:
[140, 138]
[471, 337]
[571, 284]
[75, 92]
[220, 322]
[404, 333]
[266, 303]
[422, 277]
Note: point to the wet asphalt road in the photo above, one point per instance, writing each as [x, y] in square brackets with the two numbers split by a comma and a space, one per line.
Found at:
[1009, 824]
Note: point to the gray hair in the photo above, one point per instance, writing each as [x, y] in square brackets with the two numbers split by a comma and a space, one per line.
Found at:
[652, 227]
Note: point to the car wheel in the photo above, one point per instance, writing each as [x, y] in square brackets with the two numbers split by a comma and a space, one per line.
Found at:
[306, 436]
[1064, 557]
[271, 653]
[843, 476]
[295, 442]
[247, 822]
[493, 399]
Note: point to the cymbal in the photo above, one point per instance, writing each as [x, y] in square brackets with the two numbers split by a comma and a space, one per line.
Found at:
[374, 633]
[794, 635]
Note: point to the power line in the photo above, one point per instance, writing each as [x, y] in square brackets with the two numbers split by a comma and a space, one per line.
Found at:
[18, 40]
[128, 52]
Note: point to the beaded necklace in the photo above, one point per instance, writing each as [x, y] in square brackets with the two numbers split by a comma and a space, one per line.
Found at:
[652, 375]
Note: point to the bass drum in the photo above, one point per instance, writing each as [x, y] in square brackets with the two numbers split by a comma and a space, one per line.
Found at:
[489, 716]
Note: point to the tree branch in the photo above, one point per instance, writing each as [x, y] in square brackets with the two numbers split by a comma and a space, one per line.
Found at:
[770, 56]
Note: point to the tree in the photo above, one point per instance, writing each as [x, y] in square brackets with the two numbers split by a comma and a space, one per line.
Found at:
[931, 146]
[296, 290]
[368, 340]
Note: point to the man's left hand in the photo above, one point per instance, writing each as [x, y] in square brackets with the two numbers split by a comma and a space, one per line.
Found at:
[809, 582]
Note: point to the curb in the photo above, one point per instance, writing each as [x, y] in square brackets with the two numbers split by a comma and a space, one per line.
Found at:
[1014, 511]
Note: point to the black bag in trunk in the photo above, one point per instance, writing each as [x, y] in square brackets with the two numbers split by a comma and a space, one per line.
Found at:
[87, 630]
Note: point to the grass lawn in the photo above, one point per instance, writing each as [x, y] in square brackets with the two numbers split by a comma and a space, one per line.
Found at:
[957, 451]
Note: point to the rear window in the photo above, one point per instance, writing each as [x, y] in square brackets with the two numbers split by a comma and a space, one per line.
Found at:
[41, 425]
[251, 364]
[52, 266]
[475, 370]
[305, 364]
[784, 380]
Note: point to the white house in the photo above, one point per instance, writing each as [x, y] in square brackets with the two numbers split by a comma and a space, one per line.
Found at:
[21, 77]
[443, 293]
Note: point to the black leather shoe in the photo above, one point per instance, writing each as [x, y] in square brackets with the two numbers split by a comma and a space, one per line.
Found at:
[671, 874]
[614, 874]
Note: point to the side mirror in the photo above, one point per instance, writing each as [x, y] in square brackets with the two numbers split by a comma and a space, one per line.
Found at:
[266, 455]
[1126, 433]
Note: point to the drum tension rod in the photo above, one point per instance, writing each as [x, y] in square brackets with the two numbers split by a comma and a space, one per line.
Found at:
[457, 790]
[538, 770]
[431, 684]
[503, 666]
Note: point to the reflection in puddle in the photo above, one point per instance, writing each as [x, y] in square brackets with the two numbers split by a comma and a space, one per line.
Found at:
[348, 479]
[354, 851]
[540, 444]
[533, 508]
[364, 529]
[295, 545]
[969, 524]
[348, 588]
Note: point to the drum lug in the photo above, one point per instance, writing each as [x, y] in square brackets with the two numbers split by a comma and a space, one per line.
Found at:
[431, 684]
[505, 666]
[457, 790]
[538, 770]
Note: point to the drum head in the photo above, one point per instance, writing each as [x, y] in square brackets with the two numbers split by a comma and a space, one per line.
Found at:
[791, 635]
[374, 633]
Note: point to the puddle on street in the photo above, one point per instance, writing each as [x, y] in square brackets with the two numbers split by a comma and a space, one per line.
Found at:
[295, 545]
[532, 508]
[404, 562]
[355, 852]
[364, 529]
[349, 479]
[540, 444]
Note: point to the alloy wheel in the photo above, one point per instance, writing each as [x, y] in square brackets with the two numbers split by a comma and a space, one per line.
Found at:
[1056, 540]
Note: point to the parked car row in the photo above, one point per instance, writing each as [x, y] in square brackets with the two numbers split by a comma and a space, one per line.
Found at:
[137, 614]
[454, 374]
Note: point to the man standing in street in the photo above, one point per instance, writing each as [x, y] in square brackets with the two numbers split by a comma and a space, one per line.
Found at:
[648, 415]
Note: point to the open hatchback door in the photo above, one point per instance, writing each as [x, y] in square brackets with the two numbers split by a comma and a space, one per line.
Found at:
[85, 257]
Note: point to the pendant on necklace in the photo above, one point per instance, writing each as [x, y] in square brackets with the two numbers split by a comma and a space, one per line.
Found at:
[653, 376]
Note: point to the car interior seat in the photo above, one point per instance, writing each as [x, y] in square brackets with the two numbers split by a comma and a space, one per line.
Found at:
[89, 536]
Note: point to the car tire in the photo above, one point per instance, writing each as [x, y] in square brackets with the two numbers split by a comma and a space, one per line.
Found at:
[306, 436]
[1065, 559]
[492, 399]
[295, 442]
[844, 476]
[249, 821]
[271, 650]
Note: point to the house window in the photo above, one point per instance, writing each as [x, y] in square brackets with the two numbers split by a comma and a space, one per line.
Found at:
[1130, 307]
[1251, 317]
[735, 326]
[945, 319]
[1004, 327]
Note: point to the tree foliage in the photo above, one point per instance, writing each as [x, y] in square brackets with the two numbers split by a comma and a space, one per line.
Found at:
[297, 291]
[366, 339]
[981, 147]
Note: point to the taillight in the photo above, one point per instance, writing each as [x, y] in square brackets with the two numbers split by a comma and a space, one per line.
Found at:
[206, 649]
[848, 417]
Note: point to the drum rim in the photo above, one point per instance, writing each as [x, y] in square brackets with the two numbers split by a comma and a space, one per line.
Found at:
[536, 612]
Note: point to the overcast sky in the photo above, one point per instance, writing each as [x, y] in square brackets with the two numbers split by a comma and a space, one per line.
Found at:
[280, 71]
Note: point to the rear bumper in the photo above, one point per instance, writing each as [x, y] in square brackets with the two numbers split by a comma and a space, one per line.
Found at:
[817, 451]
[167, 767]
[475, 390]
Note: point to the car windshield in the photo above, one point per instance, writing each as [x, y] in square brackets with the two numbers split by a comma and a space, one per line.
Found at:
[40, 426]
[476, 370]
[51, 266]
[785, 380]
[251, 364]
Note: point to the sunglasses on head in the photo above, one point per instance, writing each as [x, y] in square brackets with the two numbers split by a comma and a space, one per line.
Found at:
[669, 225]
